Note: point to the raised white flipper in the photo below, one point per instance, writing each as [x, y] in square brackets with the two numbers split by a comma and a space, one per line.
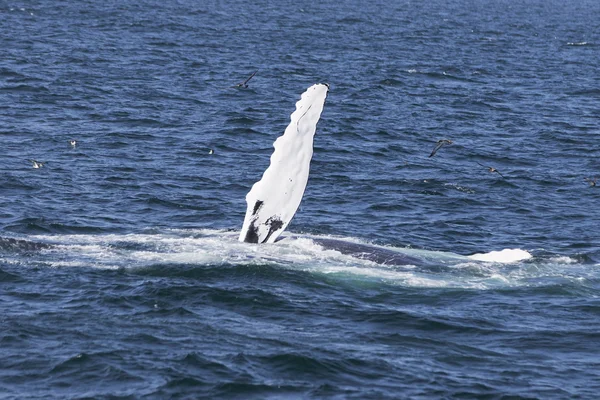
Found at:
[273, 201]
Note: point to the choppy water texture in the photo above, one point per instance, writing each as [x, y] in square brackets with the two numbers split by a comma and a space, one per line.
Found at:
[120, 271]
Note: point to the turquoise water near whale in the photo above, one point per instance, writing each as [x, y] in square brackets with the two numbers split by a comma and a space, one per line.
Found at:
[125, 278]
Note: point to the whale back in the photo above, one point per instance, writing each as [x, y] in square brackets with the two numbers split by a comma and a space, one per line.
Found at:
[377, 254]
[20, 245]
[273, 201]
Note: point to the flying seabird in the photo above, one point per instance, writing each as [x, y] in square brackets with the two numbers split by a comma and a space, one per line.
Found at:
[36, 164]
[245, 83]
[491, 169]
[438, 145]
[592, 182]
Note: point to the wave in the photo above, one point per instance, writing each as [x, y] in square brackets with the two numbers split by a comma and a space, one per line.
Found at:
[168, 252]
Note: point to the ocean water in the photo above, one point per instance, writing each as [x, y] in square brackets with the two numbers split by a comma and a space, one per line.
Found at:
[121, 276]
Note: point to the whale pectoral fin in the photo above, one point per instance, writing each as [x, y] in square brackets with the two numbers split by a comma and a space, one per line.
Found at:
[273, 201]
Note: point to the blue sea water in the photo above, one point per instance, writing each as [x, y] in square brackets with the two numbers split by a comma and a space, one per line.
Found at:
[120, 271]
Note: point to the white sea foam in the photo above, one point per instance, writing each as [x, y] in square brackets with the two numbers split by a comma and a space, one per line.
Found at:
[273, 201]
[502, 256]
[563, 260]
[460, 188]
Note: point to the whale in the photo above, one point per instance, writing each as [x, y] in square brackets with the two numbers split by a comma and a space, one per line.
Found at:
[273, 201]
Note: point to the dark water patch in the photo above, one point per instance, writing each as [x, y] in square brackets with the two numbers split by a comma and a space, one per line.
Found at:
[244, 390]
[299, 365]
[562, 286]
[118, 144]
[6, 277]
[388, 207]
[350, 20]
[248, 298]
[154, 201]
[86, 368]
[175, 312]
[212, 370]
[158, 42]
[210, 270]
[11, 74]
[143, 339]
[131, 245]
[72, 364]
[23, 88]
[309, 368]
[184, 383]
[391, 82]
[242, 130]
[129, 181]
[421, 323]
[585, 93]
[241, 120]
[33, 226]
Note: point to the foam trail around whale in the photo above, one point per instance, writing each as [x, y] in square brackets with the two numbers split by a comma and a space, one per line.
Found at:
[176, 252]
[273, 201]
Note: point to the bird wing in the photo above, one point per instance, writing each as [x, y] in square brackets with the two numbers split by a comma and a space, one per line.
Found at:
[436, 148]
[250, 77]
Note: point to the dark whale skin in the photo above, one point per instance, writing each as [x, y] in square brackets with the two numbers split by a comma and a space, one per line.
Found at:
[376, 254]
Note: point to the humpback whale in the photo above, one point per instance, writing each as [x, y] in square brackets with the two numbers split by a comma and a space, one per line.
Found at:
[273, 201]
[271, 204]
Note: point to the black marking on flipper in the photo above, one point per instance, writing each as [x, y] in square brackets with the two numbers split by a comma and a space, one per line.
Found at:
[275, 223]
[251, 234]
[257, 206]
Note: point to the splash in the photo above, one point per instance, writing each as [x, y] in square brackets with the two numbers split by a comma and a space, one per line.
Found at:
[273, 201]
[502, 256]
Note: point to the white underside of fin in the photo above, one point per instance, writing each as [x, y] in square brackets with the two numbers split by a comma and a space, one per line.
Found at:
[273, 201]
